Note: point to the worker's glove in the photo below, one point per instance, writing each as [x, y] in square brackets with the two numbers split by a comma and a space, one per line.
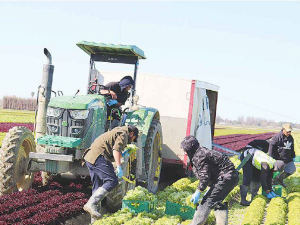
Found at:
[195, 197]
[269, 195]
[126, 153]
[119, 171]
[274, 194]
[112, 102]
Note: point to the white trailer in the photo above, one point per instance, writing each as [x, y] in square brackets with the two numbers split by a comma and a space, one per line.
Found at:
[186, 106]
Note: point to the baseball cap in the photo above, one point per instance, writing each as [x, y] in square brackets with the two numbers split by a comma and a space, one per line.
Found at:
[287, 127]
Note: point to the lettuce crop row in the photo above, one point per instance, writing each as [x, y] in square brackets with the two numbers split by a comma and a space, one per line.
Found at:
[17, 195]
[294, 208]
[255, 211]
[237, 142]
[276, 212]
[55, 214]
[53, 202]
[4, 127]
[25, 201]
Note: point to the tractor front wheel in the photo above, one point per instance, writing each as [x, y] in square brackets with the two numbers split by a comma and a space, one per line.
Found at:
[14, 153]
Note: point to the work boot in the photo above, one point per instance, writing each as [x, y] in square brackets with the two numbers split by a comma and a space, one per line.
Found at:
[280, 179]
[254, 187]
[92, 206]
[201, 214]
[221, 214]
[243, 192]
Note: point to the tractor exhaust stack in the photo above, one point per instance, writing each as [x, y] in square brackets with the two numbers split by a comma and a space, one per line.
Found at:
[44, 95]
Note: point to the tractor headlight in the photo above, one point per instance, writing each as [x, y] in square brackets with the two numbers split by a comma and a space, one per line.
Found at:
[79, 114]
[54, 112]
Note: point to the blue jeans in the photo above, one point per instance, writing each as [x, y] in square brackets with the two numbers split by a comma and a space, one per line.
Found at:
[102, 174]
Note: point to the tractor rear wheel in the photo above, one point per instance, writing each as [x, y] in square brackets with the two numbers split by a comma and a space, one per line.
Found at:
[115, 197]
[14, 153]
[153, 156]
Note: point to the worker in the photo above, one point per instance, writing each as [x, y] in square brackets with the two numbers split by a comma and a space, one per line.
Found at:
[253, 184]
[98, 157]
[215, 170]
[282, 148]
[119, 92]
[258, 170]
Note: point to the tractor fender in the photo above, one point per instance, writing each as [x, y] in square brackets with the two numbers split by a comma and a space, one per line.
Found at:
[142, 119]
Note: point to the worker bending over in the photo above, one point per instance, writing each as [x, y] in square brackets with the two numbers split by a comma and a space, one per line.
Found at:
[259, 167]
[106, 149]
[215, 170]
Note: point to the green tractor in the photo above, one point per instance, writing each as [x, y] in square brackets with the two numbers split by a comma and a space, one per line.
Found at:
[67, 125]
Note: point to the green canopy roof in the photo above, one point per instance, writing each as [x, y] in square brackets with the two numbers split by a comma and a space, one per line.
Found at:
[92, 48]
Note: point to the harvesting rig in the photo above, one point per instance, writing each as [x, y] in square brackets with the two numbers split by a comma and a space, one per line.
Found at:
[67, 125]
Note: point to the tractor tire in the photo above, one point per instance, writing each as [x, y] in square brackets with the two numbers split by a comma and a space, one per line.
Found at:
[14, 153]
[153, 156]
[115, 197]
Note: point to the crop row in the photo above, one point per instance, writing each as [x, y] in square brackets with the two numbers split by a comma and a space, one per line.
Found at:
[255, 212]
[25, 201]
[294, 208]
[226, 140]
[4, 127]
[276, 212]
[241, 141]
[52, 202]
[16, 116]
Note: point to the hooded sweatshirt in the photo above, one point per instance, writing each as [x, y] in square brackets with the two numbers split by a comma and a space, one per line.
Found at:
[282, 147]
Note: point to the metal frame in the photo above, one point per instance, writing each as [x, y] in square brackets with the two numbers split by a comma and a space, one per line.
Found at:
[115, 59]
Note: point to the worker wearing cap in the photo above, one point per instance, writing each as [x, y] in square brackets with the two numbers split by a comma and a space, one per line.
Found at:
[106, 149]
[282, 148]
[215, 170]
[119, 92]
[260, 167]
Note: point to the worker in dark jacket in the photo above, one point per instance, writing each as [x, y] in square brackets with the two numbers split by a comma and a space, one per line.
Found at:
[282, 148]
[106, 149]
[215, 170]
[119, 92]
[257, 171]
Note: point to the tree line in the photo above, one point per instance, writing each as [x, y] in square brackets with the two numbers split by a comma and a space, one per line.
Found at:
[253, 121]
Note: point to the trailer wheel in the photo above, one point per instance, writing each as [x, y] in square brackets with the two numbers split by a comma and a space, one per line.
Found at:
[115, 197]
[17, 144]
[153, 156]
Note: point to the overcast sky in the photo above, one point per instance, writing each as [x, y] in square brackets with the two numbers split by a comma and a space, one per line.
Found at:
[250, 49]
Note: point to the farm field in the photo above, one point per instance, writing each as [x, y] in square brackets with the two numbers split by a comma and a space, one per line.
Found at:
[59, 201]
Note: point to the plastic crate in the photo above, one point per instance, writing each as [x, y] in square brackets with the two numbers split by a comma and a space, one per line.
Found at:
[185, 212]
[137, 206]
[45, 140]
[276, 188]
[67, 142]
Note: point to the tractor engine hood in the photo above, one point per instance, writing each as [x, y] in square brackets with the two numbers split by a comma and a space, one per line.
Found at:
[77, 102]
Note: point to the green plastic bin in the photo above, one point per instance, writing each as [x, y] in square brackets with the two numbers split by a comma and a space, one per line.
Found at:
[137, 206]
[185, 212]
[276, 188]
[68, 142]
